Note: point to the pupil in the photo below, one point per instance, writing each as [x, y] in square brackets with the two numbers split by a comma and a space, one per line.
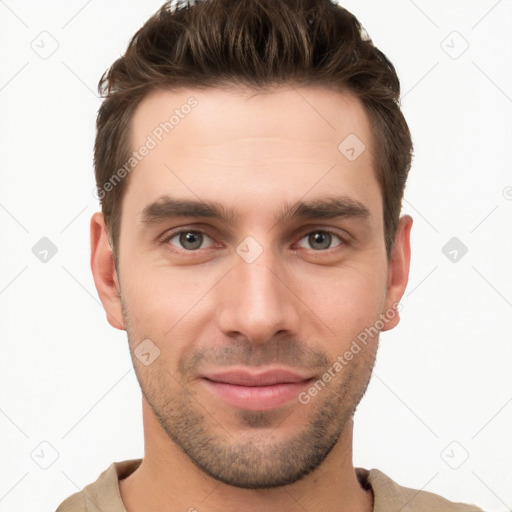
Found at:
[192, 239]
[320, 238]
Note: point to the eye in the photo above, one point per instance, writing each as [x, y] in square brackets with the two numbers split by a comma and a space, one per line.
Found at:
[190, 240]
[320, 240]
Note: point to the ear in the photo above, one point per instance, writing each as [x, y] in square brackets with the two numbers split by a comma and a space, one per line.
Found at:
[398, 269]
[104, 272]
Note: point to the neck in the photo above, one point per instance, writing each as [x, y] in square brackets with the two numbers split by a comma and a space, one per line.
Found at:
[168, 481]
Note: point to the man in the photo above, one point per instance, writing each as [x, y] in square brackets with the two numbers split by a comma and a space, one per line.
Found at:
[251, 158]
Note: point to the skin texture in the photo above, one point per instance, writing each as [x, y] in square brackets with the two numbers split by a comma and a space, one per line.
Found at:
[298, 305]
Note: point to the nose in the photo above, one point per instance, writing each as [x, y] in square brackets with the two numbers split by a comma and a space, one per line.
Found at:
[258, 301]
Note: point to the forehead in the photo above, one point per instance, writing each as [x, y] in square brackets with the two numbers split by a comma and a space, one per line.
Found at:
[236, 112]
[239, 145]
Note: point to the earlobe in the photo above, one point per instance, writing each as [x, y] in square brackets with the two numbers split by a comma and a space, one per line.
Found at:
[104, 272]
[398, 271]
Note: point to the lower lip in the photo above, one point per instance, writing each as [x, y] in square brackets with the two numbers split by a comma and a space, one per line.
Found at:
[257, 398]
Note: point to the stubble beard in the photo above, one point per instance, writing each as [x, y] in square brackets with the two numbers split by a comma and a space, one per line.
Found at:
[255, 455]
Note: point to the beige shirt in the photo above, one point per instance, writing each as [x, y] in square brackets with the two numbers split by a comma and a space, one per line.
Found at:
[104, 496]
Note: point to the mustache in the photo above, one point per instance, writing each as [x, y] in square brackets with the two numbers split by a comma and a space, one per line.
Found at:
[295, 353]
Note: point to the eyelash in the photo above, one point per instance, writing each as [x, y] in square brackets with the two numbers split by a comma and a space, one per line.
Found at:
[343, 240]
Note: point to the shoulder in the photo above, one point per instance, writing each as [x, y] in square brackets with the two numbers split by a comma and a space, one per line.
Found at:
[75, 503]
[388, 495]
[103, 494]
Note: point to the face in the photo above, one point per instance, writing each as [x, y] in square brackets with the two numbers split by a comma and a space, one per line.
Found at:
[251, 258]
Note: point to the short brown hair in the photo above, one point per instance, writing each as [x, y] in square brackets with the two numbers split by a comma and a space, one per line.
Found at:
[256, 43]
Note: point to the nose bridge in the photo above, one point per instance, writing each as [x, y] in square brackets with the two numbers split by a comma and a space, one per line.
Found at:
[256, 303]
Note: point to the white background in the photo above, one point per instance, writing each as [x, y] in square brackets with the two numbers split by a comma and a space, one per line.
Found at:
[442, 387]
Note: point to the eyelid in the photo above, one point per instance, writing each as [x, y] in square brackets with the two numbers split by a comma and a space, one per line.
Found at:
[168, 235]
[340, 233]
[303, 232]
[344, 239]
[306, 235]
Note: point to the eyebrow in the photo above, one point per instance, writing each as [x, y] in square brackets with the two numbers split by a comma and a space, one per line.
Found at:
[167, 208]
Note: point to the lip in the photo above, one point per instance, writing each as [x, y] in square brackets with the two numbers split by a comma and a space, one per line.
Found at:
[259, 391]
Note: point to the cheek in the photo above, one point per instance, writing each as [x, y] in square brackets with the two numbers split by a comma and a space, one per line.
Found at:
[165, 304]
[347, 300]
[151, 290]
